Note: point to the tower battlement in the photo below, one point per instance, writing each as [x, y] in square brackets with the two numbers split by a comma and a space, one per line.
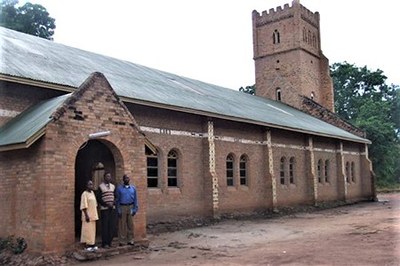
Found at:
[288, 58]
[311, 17]
[278, 13]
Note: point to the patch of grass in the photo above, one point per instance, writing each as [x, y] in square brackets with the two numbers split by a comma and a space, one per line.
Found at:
[387, 188]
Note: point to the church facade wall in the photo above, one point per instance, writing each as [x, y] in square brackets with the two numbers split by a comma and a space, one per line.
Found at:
[287, 146]
[186, 199]
[231, 139]
[159, 118]
[327, 171]
[39, 183]
[252, 193]
[170, 130]
[52, 167]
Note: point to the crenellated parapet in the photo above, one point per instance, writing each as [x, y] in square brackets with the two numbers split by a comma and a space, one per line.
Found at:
[279, 13]
[273, 15]
[309, 16]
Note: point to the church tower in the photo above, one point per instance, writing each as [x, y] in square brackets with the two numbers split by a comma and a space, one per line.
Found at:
[289, 63]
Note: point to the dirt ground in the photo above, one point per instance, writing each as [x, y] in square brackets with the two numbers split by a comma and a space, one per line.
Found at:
[360, 234]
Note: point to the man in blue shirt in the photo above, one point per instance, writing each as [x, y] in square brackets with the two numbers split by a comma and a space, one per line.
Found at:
[127, 206]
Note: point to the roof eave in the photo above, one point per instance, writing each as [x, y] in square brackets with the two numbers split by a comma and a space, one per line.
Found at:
[26, 144]
[236, 119]
[36, 83]
[66, 88]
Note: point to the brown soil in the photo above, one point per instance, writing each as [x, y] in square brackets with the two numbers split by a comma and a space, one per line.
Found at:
[360, 234]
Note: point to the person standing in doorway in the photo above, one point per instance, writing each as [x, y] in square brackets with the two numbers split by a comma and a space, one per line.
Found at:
[106, 198]
[89, 217]
[127, 206]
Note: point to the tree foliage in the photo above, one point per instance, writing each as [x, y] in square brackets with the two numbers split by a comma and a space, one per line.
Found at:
[249, 89]
[363, 98]
[30, 18]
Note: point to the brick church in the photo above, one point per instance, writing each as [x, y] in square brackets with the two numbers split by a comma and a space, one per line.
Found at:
[192, 149]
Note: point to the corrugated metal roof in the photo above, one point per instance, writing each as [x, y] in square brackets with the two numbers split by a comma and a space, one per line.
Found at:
[24, 126]
[38, 59]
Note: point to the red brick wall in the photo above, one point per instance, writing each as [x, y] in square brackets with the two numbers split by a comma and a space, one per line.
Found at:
[294, 65]
[15, 98]
[51, 167]
[22, 189]
[50, 164]
[189, 195]
[193, 197]
[326, 150]
[301, 191]
[355, 189]
[241, 198]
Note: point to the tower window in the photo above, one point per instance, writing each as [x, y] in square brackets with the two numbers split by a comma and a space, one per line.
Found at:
[276, 38]
[278, 94]
[312, 95]
[314, 40]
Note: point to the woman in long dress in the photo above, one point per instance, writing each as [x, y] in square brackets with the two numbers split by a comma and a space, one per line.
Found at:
[89, 217]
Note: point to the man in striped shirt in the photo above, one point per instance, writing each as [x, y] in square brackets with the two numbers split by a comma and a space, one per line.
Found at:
[106, 199]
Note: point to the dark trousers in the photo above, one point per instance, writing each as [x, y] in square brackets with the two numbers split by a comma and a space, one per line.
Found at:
[108, 226]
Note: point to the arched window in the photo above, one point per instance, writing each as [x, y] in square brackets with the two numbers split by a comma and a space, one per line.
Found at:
[309, 37]
[312, 95]
[229, 170]
[352, 170]
[276, 38]
[173, 168]
[326, 172]
[152, 168]
[314, 40]
[319, 171]
[243, 170]
[304, 35]
[291, 170]
[278, 94]
[282, 170]
[347, 172]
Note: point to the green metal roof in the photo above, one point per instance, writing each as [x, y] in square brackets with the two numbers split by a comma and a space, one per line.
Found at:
[28, 57]
[30, 123]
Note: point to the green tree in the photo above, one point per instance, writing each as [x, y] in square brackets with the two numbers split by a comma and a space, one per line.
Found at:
[364, 99]
[396, 112]
[30, 18]
[249, 89]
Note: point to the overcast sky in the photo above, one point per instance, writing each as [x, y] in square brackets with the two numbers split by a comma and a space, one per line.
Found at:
[211, 40]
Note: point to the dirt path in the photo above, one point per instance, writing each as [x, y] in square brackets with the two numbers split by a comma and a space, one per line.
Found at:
[360, 234]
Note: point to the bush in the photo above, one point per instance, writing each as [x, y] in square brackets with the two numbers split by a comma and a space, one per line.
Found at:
[16, 245]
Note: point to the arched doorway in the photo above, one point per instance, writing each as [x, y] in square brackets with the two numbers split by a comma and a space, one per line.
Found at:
[93, 159]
